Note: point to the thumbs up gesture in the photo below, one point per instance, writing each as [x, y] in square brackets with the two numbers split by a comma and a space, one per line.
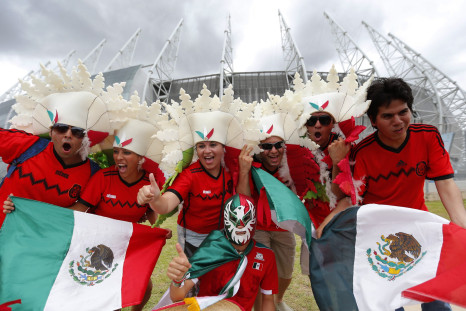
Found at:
[149, 193]
[178, 266]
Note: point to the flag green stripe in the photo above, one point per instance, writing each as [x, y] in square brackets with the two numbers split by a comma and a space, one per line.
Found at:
[331, 263]
[283, 201]
[32, 248]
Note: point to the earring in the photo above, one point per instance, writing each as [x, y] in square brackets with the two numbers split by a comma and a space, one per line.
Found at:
[140, 163]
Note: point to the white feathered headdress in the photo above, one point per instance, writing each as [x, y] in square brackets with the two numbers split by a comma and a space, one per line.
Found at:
[75, 99]
[226, 121]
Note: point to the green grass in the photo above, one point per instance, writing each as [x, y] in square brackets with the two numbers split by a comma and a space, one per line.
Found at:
[299, 294]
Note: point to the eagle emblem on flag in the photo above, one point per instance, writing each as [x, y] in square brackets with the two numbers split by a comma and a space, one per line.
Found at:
[93, 267]
[395, 255]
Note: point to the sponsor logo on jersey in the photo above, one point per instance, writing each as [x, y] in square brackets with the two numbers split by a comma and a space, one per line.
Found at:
[401, 163]
[62, 174]
[111, 196]
[206, 191]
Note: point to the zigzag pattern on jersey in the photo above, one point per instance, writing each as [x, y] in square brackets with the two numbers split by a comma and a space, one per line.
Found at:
[417, 128]
[122, 204]
[391, 174]
[215, 196]
[34, 182]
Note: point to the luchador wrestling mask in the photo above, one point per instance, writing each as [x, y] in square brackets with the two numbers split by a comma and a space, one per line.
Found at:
[240, 219]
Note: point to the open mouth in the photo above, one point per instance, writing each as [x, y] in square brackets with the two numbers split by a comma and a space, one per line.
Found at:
[317, 134]
[66, 147]
[209, 159]
[122, 168]
[243, 232]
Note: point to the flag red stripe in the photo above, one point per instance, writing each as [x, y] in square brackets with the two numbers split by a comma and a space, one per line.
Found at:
[449, 284]
[144, 248]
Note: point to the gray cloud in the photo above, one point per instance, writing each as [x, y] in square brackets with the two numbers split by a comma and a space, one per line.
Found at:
[38, 31]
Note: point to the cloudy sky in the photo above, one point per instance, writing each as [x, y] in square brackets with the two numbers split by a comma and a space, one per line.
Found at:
[33, 32]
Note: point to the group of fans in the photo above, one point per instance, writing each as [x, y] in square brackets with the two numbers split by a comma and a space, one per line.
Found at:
[197, 156]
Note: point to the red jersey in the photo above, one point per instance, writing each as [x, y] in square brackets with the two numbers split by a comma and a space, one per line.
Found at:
[110, 196]
[261, 272]
[396, 176]
[44, 177]
[202, 195]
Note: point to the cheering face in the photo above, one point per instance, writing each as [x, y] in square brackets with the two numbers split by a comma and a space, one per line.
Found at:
[272, 154]
[67, 140]
[240, 220]
[319, 126]
[126, 162]
[210, 155]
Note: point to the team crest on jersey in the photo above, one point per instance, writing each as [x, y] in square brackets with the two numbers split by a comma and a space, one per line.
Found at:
[396, 255]
[94, 266]
[75, 191]
[421, 168]
[259, 256]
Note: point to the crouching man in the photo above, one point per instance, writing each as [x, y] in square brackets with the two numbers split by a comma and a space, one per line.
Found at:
[229, 263]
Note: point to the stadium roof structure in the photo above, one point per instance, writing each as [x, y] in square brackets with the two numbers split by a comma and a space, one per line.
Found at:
[438, 99]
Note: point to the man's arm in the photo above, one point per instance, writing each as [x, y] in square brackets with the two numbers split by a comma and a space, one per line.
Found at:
[337, 151]
[245, 162]
[176, 270]
[268, 303]
[341, 206]
[162, 204]
[451, 198]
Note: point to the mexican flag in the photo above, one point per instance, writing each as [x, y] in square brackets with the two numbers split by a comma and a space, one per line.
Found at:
[53, 258]
[283, 206]
[380, 257]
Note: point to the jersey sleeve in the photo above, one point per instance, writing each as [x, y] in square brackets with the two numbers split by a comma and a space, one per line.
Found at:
[359, 173]
[269, 284]
[93, 191]
[13, 143]
[182, 185]
[439, 160]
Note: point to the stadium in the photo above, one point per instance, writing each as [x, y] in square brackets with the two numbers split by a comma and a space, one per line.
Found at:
[438, 99]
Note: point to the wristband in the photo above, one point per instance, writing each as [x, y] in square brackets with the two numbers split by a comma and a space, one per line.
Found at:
[178, 283]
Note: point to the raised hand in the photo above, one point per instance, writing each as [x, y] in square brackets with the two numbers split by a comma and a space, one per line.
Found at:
[245, 159]
[338, 150]
[149, 193]
[179, 265]
[8, 205]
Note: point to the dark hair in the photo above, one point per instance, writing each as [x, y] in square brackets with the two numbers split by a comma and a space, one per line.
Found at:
[382, 91]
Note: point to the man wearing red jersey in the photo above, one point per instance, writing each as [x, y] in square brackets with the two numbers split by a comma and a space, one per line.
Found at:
[221, 254]
[58, 173]
[398, 157]
[273, 160]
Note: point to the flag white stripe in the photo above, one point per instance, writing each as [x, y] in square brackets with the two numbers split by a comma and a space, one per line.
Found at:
[90, 231]
[373, 221]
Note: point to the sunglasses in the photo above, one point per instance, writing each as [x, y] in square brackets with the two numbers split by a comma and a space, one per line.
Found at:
[63, 128]
[324, 120]
[269, 146]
